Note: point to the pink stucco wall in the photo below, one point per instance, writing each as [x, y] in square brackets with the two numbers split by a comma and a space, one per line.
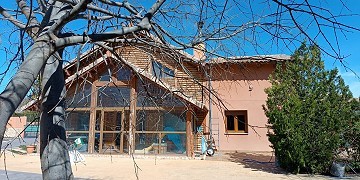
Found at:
[242, 88]
[14, 126]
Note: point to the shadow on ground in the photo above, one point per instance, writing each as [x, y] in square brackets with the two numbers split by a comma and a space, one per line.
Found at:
[19, 175]
[15, 175]
[256, 161]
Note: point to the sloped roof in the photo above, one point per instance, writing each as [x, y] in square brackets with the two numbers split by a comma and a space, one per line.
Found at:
[81, 65]
[251, 59]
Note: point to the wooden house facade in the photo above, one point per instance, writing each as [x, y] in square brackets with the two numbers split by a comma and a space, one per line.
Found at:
[138, 100]
[152, 99]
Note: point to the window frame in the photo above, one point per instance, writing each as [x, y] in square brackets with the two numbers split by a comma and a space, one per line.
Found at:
[235, 114]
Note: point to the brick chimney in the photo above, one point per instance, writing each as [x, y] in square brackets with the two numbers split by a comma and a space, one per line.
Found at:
[199, 52]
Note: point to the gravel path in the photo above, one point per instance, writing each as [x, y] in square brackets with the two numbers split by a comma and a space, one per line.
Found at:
[227, 166]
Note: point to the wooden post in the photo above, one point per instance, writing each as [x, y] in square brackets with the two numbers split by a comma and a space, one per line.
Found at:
[159, 143]
[122, 132]
[132, 118]
[189, 134]
[101, 131]
[93, 103]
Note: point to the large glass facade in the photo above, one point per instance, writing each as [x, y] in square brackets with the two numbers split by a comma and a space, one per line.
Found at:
[149, 95]
[160, 132]
[160, 125]
[113, 97]
[155, 120]
[160, 143]
[111, 127]
[77, 130]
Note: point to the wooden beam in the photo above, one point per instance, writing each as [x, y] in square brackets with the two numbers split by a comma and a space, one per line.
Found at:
[93, 102]
[161, 108]
[111, 84]
[101, 131]
[132, 118]
[189, 134]
[113, 108]
[122, 132]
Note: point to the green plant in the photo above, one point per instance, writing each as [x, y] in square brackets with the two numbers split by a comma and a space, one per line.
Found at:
[17, 152]
[352, 136]
[22, 147]
[307, 109]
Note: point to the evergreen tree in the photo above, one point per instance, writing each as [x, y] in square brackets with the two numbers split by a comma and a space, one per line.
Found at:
[352, 136]
[307, 108]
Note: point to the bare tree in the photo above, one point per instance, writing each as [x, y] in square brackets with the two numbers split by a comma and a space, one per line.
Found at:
[47, 27]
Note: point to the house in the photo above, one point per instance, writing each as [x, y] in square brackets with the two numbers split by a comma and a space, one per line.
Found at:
[15, 127]
[145, 97]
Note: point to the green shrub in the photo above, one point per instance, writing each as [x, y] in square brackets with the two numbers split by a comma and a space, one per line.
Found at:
[352, 137]
[307, 109]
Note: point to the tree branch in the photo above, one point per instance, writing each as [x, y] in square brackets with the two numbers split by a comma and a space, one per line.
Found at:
[124, 4]
[11, 18]
[143, 25]
[29, 14]
[69, 16]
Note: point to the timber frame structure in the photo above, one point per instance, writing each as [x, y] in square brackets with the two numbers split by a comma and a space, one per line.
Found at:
[120, 91]
[144, 97]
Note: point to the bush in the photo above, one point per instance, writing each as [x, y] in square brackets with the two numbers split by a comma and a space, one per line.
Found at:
[307, 109]
[352, 136]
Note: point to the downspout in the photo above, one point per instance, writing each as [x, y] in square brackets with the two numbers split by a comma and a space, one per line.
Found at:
[210, 102]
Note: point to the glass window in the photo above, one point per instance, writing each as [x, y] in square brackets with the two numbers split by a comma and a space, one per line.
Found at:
[161, 71]
[105, 76]
[153, 120]
[151, 95]
[123, 73]
[78, 141]
[79, 97]
[241, 123]
[77, 121]
[147, 120]
[144, 142]
[175, 143]
[98, 121]
[112, 121]
[111, 143]
[148, 143]
[157, 69]
[97, 142]
[113, 97]
[174, 121]
[168, 73]
[236, 121]
[230, 122]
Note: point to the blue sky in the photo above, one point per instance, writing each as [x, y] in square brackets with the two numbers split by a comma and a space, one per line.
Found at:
[350, 47]
[349, 44]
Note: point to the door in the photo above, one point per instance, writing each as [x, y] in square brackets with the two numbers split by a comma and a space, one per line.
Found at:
[109, 131]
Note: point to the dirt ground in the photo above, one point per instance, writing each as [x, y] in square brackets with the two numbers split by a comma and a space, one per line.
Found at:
[223, 166]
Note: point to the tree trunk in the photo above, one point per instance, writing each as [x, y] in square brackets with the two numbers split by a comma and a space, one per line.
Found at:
[55, 161]
[22, 81]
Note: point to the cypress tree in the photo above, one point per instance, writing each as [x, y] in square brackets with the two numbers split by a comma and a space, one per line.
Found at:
[307, 109]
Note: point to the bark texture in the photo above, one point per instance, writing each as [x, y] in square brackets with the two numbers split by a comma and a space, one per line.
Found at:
[55, 161]
[45, 55]
[21, 82]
